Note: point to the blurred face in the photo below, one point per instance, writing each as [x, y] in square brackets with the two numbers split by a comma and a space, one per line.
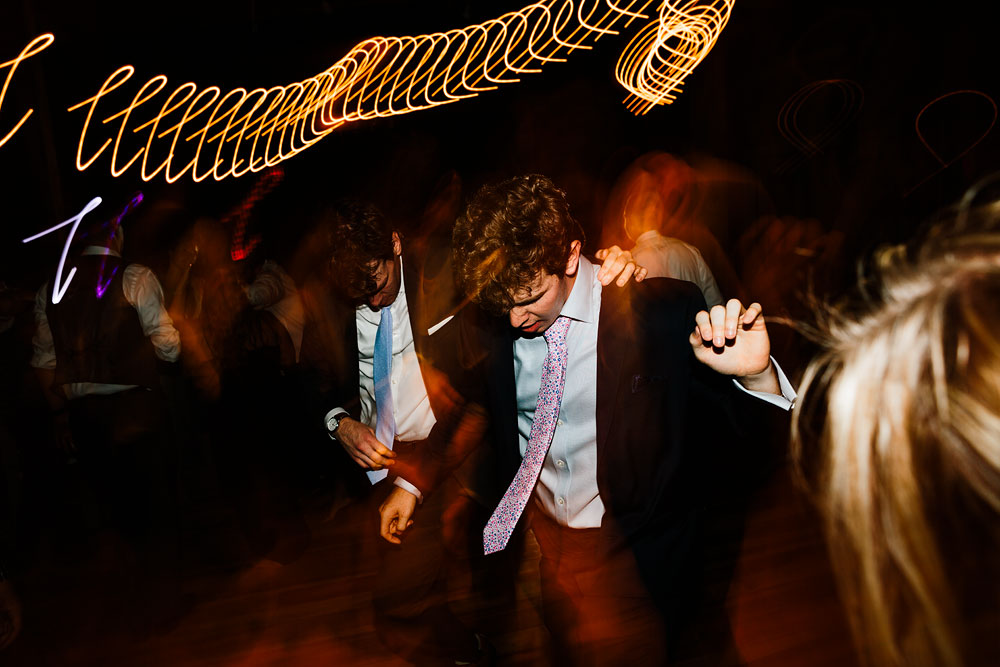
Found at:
[388, 277]
[537, 307]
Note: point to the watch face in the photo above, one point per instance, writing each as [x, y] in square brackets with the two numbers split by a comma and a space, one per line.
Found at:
[332, 423]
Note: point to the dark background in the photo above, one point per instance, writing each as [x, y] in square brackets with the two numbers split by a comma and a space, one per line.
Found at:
[568, 122]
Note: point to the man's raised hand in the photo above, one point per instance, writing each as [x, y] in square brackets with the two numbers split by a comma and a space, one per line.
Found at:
[733, 341]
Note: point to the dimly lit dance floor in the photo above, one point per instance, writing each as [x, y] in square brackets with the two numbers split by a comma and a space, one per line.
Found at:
[315, 610]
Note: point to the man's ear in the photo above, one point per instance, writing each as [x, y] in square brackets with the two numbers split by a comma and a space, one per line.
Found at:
[574, 258]
[397, 247]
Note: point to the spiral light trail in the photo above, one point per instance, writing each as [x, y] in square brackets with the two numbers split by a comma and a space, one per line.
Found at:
[205, 132]
[654, 65]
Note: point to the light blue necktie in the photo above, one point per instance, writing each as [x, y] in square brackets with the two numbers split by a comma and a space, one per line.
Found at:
[385, 424]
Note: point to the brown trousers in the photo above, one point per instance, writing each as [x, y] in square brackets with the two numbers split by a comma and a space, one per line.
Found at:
[595, 605]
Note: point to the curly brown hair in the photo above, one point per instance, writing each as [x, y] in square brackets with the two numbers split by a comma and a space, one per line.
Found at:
[359, 237]
[508, 234]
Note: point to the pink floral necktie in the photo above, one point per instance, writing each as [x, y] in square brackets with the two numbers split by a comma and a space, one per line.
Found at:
[501, 525]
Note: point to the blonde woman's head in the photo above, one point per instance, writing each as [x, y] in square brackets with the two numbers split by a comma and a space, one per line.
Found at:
[897, 435]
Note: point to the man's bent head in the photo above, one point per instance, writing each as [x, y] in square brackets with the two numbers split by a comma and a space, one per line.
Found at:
[516, 250]
[365, 253]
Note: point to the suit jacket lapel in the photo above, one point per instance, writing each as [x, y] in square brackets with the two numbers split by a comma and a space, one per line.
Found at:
[504, 396]
[414, 301]
[613, 335]
[429, 286]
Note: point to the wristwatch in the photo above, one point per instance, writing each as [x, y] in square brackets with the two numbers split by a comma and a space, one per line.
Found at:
[333, 422]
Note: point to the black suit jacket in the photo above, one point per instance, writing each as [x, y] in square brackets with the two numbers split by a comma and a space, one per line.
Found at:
[664, 421]
[444, 359]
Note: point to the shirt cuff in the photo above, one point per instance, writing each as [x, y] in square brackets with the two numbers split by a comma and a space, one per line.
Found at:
[328, 420]
[787, 399]
[406, 486]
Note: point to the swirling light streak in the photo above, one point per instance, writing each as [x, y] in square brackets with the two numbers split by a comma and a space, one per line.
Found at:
[920, 135]
[206, 132]
[852, 100]
[113, 224]
[239, 217]
[37, 45]
[59, 287]
[661, 56]
[947, 163]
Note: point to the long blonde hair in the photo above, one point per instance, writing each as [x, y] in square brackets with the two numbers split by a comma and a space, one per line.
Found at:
[897, 436]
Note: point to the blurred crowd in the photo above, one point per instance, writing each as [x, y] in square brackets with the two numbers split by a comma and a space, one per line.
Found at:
[198, 411]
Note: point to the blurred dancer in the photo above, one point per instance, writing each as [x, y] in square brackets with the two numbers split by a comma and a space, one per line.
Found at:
[273, 290]
[391, 398]
[242, 361]
[663, 257]
[898, 434]
[97, 353]
[611, 466]
[660, 203]
[398, 396]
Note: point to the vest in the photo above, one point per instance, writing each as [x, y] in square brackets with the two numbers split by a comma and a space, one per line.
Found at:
[96, 331]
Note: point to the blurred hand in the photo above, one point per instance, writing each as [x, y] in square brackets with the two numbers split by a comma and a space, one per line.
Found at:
[618, 263]
[395, 514]
[733, 341]
[360, 443]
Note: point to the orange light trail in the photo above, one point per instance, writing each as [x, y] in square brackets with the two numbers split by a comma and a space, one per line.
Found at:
[947, 163]
[920, 135]
[203, 133]
[661, 56]
[37, 45]
[852, 99]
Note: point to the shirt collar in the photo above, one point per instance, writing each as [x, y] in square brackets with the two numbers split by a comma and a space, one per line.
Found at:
[99, 250]
[580, 304]
[647, 236]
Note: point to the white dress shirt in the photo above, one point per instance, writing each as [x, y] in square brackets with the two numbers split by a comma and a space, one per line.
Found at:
[411, 406]
[567, 486]
[143, 292]
[666, 257]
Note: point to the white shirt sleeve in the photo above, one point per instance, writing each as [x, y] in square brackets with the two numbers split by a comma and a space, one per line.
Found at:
[267, 288]
[406, 486]
[143, 291]
[44, 348]
[686, 263]
[327, 420]
[399, 481]
[788, 395]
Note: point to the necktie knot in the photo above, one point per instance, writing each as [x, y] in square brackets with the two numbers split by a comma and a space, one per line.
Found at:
[557, 332]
